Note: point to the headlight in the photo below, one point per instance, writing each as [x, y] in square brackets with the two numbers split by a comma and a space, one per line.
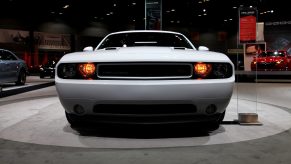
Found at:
[202, 69]
[87, 70]
[279, 61]
[76, 71]
[222, 70]
[212, 70]
[67, 71]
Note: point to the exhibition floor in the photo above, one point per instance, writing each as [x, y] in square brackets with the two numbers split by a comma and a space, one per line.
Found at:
[33, 129]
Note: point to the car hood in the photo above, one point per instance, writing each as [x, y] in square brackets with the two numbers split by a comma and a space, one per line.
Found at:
[145, 54]
[268, 59]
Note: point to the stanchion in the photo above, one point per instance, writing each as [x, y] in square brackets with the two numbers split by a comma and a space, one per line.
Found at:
[248, 119]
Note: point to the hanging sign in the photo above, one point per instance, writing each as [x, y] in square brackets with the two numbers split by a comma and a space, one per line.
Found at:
[247, 25]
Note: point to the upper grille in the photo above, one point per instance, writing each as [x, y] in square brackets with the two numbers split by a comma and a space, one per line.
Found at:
[144, 70]
[266, 65]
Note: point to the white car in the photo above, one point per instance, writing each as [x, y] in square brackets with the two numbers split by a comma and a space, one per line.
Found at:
[145, 77]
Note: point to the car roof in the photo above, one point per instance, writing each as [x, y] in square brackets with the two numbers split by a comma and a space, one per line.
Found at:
[275, 51]
[145, 31]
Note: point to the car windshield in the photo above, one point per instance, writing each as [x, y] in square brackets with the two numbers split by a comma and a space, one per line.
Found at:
[272, 54]
[145, 39]
[50, 64]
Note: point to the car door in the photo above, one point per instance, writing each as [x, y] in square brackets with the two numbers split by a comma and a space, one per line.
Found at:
[2, 68]
[9, 66]
[12, 66]
[289, 61]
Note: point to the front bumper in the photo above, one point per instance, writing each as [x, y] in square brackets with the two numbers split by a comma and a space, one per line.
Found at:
[268, 67]
[90, 94]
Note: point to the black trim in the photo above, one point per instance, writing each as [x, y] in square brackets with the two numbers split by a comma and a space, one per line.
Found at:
[219, 71]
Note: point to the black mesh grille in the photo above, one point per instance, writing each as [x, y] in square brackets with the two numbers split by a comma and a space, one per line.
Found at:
[145, 70]
[266, 65]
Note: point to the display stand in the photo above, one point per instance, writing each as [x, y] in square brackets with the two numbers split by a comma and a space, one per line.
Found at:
[247, 92]
[248, 119]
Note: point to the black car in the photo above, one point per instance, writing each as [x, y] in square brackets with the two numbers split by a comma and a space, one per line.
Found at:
[48, 69]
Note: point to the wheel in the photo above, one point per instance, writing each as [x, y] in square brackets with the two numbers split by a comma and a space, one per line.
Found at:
[213, 125]
[21, 78]
[73, 120]
[221, 117]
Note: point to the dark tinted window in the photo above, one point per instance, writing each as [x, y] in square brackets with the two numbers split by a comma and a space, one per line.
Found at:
[145, 39]
[274, 54]
[6, 55]
[50, 63]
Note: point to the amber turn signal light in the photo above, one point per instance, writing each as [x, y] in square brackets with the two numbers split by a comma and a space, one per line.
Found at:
[87, 69]
[202, 69]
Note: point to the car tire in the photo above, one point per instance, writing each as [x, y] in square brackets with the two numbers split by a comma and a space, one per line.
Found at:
[21, 78]
[214, 125]
[74, 120]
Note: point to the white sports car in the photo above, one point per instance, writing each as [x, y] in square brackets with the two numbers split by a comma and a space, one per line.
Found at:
[145, 77]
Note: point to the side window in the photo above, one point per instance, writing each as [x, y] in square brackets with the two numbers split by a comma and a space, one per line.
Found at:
[9, 56]
[1, 55]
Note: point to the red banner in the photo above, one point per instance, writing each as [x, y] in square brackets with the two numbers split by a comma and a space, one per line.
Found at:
[247, 25]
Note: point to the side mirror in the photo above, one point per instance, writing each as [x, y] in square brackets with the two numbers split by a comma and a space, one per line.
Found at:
[203, 48]
[90, 48]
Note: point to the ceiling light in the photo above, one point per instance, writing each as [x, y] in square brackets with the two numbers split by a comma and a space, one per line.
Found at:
[172, 21]
[200, 2]
[272, 11]
[204, 14]
[133, 3]
[173, 10]
[114, 4]
[230, 19]
[61, 13]
[251, 6]
[225, 20]
[52, 12]
[234, 7]
[261, 13]
[199, 15]
[204, 10]
[168, 11]
[108, 14]
[66, 6]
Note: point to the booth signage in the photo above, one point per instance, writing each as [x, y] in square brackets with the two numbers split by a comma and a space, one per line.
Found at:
[247, 25]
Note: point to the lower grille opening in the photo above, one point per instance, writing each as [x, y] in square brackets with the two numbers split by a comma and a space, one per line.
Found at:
[156, 109]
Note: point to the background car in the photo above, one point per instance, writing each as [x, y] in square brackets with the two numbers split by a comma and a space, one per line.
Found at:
[145, 77]
[48, 69]
[278, 60]
[12, 69]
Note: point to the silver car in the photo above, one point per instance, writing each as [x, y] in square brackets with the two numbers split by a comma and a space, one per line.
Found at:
[12, 69]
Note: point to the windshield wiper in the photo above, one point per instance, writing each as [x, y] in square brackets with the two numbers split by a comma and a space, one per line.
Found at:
[110, 48]
[179, 48]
